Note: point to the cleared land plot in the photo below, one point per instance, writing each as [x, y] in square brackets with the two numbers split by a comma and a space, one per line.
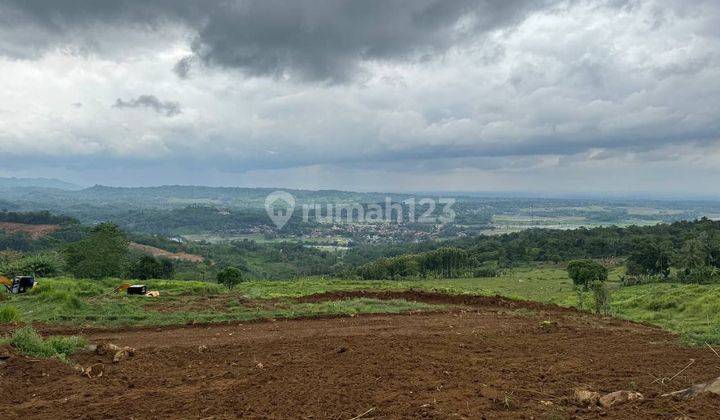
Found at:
[35, 231]
[494, 358]
[157, 252]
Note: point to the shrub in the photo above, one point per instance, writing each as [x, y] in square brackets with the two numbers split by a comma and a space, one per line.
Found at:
[202, 289]
[8, 259]
[487, 270]
[601, 297]
[628, 280]
[42, 265]
[8, 314]
[581, 297]
[29, 343]
[584, 272]
[66, 345]
[632, 268]
[699, 275]
[230, 277]
[66, 298]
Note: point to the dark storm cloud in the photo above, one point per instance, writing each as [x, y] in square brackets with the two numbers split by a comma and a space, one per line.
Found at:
[566, 82]
[170, 109]
[28, 28]
[317, 40]
[64, 15]
[329, 40]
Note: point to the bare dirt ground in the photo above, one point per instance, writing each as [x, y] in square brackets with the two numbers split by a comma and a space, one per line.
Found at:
[35, 231]
[493, 359]
[157, 252]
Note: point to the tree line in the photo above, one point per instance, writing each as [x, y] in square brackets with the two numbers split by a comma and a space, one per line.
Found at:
[686, 251]
[101, 251]
[36, 218]
[442, 262]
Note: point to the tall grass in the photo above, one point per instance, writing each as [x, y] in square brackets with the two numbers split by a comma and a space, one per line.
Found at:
[8, 314]
[67, 298]
[27, 341]
[691, 310]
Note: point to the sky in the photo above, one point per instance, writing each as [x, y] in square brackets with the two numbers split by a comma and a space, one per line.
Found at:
[546, 96]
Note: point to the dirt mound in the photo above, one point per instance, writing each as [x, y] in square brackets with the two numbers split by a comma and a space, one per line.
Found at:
[497, 364]
[435, 298]
[35, 231]
[161, 253]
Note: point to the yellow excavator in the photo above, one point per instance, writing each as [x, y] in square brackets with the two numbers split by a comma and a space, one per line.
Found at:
[19, 284]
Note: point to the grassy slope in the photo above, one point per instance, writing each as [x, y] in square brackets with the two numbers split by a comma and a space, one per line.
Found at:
[692, 310]
[83, 302]
[542, 285]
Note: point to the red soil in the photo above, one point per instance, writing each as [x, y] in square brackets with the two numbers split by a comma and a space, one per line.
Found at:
[157, 252]
[489, 360]
[35, 231]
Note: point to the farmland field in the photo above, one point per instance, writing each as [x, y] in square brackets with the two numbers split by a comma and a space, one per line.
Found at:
[489, 356]
[691, 311]
[337, 348]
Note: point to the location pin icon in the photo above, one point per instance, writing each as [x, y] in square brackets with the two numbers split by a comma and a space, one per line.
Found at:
[280, 206]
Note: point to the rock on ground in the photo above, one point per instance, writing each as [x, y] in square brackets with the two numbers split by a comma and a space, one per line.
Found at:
[584, 396]
[619, 397]
[711, 387]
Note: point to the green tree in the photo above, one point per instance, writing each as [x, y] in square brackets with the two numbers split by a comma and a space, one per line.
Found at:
[446, 261]
[584, 272]
[230, 277]
[704, 274]
[699, 251]
[41, 265]
[101, 254]
[650, 256]
[149, 267]
[693, 254]
[403, 266]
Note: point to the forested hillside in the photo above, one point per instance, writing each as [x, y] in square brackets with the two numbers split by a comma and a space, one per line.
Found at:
[651, 250]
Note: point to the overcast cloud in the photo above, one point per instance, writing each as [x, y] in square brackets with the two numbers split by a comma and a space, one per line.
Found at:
[375, 94]
[170, 109]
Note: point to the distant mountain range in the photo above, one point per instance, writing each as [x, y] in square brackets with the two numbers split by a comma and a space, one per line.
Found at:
[37, 183]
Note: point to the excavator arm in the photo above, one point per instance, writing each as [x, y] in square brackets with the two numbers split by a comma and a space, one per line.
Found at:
[123, 287]
[6, 282]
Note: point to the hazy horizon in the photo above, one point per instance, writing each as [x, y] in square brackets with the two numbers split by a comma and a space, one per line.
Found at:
[596, 195]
